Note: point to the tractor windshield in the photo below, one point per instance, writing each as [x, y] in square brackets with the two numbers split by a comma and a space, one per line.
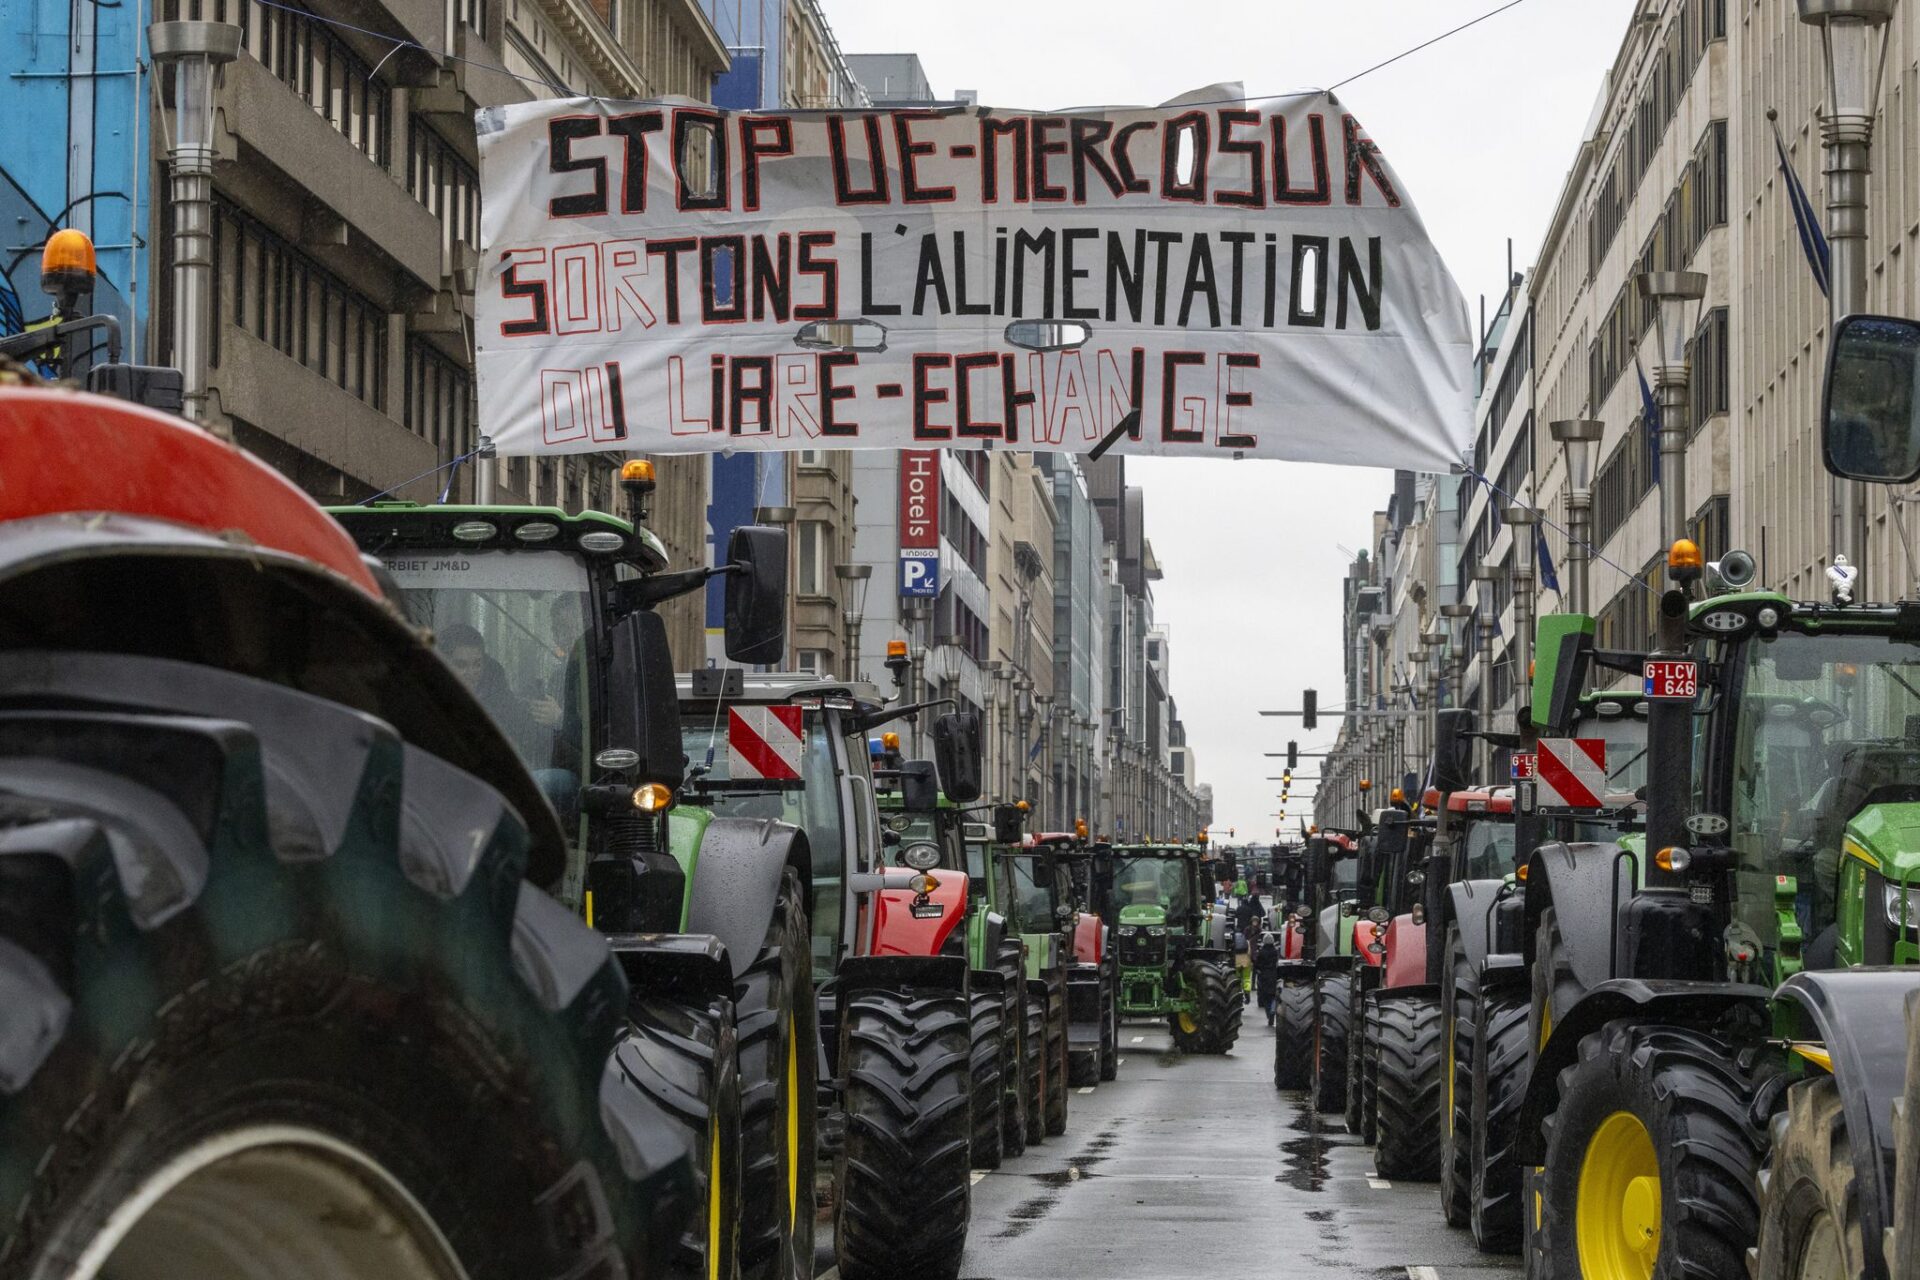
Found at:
[1489, 848]
[1034, 893]
[512, 625]
[1154, 882]
[1826, 726]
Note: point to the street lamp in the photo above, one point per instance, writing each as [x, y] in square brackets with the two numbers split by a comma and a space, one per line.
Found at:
[1853, 46]
[857, 578]
[193, 52]
[1457, 648]
[1520, 649]
[1579, 441]
[1433, 642]
[1676, 297]
[1484, 579]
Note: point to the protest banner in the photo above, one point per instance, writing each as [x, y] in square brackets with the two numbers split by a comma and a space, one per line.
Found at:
[1243, 278]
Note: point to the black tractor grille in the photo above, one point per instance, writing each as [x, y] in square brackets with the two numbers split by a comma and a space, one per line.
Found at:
[1142, 951]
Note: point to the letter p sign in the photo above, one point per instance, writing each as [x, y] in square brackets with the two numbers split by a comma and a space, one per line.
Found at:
[920, 573]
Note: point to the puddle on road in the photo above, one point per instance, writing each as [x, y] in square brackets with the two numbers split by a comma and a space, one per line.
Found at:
[1306, 1155]
[1079, 1168]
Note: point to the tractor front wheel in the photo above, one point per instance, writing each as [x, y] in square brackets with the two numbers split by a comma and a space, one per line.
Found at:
[1809, 1201]
[1058, 1065]
[1459, 1006]
[1360, 1069]
[1109, 1027]
[1497, 1088]
[1211, 1023]
[986, 1056]
[1405, 1036]
[1332, 1017]
[905, 1182]
[1034, 1048]
[1651, 1158]
[1293, 1037]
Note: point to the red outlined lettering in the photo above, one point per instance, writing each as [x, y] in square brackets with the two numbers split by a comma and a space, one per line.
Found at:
[991, 130]
[577, 283]
[844, 192]
[1130, 180]
[1044, 146]
[826, 270]
[911, 149]
[714, 191]
[1192, 408]
[926, 395]
[752, 150]
[1232, 396]
[562, 133]
[832, 391]
[633, 129]
[1086, 136]
[538, 319]
[1320, 190]
[1255, 195]
[965, 425]
[1363, 158]
[1194, 190]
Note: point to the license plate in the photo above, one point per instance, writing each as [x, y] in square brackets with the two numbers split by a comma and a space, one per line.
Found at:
[1523, 765]
[931, 911]
[1671, 679]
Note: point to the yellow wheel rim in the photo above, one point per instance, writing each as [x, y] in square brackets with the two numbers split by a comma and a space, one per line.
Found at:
[1187, 1024]
[794, 1103]
[715, 1213]
[1617, 1204]
[1546, 1021]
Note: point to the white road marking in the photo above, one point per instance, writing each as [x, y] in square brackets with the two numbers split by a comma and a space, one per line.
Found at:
[1120, 1062]
[1087, 1089]
[977, 1175]
[1139, 1039]
[1422, 1273]
[1379, 1184]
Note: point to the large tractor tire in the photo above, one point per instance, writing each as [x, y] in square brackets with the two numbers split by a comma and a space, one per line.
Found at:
[1034, 1048]
[1651, 1158]
[685, 1060]
[1555, 988]
[1411, 1066]
[905, 1181]
[1459, 1010]
[1361, 1066]
[1332, 1018]
[1293, 1037]
[1501, 1067]
[986, 1056]
[261, 962]
[1013, 1045]
[1109, 1027]
[1214, 1024]
[1903, 1247]
[1809, 1201]
[775, 1012]
[1059, 1058]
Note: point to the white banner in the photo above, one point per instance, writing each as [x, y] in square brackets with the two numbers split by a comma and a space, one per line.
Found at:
[1249, 276]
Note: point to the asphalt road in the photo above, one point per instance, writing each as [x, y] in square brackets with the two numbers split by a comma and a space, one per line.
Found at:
[1196, 1167]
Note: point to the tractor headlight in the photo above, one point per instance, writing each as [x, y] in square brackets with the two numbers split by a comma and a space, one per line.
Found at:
[921, 857]
[1157, 931]
[1903, 907]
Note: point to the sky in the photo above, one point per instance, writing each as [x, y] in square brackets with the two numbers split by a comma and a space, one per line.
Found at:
[1481, 129]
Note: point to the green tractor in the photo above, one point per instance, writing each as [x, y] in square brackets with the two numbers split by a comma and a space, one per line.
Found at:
[549, 619]
[1688, 987]
[928, 832]
[889, 968]
[1158, 913]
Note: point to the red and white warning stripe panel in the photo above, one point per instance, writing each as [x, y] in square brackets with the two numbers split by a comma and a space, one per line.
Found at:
[765, 742]
[1571, 773]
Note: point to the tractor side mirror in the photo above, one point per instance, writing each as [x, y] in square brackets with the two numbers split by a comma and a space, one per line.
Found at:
[1009, 824]
[1870, 407]
[1453, 750]
[643, 708]
[1565, 651]
[956, 750]
[919, 789]
[756, 607]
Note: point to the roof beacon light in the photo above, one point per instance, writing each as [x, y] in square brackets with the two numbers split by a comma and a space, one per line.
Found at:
[67, 266]
[1684, 560]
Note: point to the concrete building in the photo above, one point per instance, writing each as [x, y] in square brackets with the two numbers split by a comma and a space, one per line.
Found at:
[1079, 639]
[1020, 628]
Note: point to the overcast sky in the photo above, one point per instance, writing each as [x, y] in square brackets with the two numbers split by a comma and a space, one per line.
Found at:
[1481, 130]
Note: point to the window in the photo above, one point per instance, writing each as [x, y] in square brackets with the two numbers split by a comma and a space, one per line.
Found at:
[1625, 478]
[438, 405]
[264, 285]
[814, 571]
[440, 178]
[1708, 389]
[817, 662]
[813, 457]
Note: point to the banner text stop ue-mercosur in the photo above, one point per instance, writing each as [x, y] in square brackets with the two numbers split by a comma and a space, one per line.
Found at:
[1250, 278]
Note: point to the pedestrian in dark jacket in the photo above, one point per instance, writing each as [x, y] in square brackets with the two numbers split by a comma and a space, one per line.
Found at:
[1266, 974]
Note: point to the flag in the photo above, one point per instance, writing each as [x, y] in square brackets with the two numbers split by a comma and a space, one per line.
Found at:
[1548, 578]
[1039, 741]
[1650, 409]
[1813, 241]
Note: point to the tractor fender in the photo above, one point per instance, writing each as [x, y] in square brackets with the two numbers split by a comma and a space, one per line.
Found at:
[1296, 971]
[1406, 958]
[736, 882]
[1218, 955]
[1089, 939]
[1413, 991]
[689, 967]
[1470, 910]
[1365, 933]
[894, 973]
[994, 928]
[1712, 1006]
[1586, 884]
[1851, 1012]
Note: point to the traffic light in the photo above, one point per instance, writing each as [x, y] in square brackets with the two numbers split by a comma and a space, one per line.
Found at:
[1309, 709]
[1293, 756]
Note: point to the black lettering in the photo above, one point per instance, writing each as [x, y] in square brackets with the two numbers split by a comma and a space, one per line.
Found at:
[930, 275]
[616, 400]
[669, 251]
[1023, 244]
[780, 143]
[1309, 254]
[1363, 157]
[718, 277]
[960, 304]
[1124, 280]
[772, 279]
[632, 130]
[760, 395]
[714, 174]
[964, 424]
[1366, 291]
[1069, 273]
[1170, 365]
[1239, 240]
[926, 395]
[534, 291]
[1014, 399]
[1320, 191]
[1130, 180]
[1191, 125]
[869, 307]
[1043, 147]
[844, 192]
[911, 192]
[562, 133]
[1087, 136]
[1237, 400]
[828, 271]
[1255, 196]
[1162, 241]
[1200, 283]
[990, 131]
[832, 392]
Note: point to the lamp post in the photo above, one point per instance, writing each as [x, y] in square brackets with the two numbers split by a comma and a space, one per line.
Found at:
[856, 578]
[193, 53]
[1433, 642]
[1043, 703]
[1676, 297]
[1579, 440]
[1457, 648]
[1523, 520]
[1483, 579]
[1853, 46]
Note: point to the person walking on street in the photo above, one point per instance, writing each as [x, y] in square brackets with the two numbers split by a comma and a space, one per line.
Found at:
[1249, 917]
[1266, 973]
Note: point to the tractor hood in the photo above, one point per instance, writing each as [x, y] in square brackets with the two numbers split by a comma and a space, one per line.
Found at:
[1887, 837]
[1143, 915]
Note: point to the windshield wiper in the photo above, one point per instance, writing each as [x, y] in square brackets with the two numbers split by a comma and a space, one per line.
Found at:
[1901, 679]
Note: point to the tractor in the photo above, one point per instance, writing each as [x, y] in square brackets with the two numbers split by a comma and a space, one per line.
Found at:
[889, 966]
[1157, 914]
[1093, 980]
[550, 619]
[1346, 991]
[280, 938]
[926, 831]
[1320, 881]
[1043, 911]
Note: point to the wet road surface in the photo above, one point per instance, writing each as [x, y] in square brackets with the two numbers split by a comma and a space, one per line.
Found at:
[1195, 1167]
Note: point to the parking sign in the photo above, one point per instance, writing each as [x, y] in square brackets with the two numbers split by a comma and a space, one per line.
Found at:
[919, 573]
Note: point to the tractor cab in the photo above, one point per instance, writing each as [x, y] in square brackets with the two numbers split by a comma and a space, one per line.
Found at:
[1043, 906]
[1333, 891]
[549, 619]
